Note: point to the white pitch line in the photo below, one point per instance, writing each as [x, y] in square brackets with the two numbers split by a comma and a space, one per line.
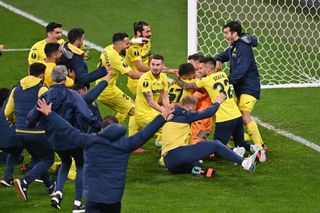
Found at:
[26, 49]
[16, 50]
[288, 135]
[99, 48]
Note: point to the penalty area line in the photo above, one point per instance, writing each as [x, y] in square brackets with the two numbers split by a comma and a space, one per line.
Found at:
[288, 135]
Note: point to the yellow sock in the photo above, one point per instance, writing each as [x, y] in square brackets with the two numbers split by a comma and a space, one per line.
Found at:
[73, 171]
[121, 117]
[133, 127]
[254, 133]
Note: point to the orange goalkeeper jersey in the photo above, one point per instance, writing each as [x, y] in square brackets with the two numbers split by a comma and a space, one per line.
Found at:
[201, 128]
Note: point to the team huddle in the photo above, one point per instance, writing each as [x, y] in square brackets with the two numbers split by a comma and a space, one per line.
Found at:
[53, 115]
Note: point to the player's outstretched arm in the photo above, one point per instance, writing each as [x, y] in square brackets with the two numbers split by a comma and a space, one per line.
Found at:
[97, 90]
[194, 115]
[134, 75]
[186, 85]
[62, 126]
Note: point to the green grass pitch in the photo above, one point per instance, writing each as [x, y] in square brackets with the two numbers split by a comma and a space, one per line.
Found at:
[289, 180]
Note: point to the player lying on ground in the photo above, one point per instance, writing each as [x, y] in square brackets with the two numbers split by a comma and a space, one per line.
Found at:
[180, 156]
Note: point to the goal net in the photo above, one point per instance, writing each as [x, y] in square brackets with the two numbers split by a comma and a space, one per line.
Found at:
[288, 53]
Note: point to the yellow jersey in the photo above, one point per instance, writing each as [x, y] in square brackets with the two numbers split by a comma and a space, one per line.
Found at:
[149, 83]
[215, 84]
[116, 61]
[138, 52]
[37, 53]
[47, 75]
[174, 135]
[176, 93]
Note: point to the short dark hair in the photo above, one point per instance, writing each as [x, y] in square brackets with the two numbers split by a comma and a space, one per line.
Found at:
[4, 93]
[189, 100]
[158, 57]
[138, 26]
[186, 68]
[196, 57]
[51, 26]
[75, 34]
[119, 37]
[109, 119]
[51, 48]
[234, 27]
[37, 69]
[209, 60]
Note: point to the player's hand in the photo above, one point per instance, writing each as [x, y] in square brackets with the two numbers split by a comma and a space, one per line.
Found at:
[167, 111]
[109, 72]
[218, 66]
[44, 107]
[1, 47]
[140, 40]
[221, 98]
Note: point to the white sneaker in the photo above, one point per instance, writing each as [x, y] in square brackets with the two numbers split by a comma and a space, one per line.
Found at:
[250, 162]
[239, 151]
[158, 143]
[262, 157]
[254, 148]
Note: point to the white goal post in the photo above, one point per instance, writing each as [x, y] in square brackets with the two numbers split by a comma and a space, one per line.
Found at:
[288, 53]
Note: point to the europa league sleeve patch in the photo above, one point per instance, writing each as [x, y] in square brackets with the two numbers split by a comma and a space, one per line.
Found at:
[136, 53]
[145, 84]
[125, 65]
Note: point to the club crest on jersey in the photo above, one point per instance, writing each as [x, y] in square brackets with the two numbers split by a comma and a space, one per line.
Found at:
[234, 53]
[145, 84]
[33, 55]
[136, 53]
[125, 65]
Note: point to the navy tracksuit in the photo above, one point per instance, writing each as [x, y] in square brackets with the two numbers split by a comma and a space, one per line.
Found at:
[182, 159]
[106, 157]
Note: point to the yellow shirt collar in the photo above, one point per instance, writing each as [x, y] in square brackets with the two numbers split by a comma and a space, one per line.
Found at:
[75, 49]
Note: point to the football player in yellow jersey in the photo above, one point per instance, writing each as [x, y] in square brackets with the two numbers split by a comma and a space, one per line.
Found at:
[54, 34]
[176, 93]
[182, 157]
[228, 118]
[152, 93]
[53, 54]
[112, 96]
[138, 55]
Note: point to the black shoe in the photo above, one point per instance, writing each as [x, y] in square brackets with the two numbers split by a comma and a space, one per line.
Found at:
[78, 209]
[52, 189]
[6, 183]
[22, 188]
[56, 201]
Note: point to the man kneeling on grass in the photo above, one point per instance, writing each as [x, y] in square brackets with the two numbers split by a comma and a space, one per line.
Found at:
[106, 156]
[180, 156]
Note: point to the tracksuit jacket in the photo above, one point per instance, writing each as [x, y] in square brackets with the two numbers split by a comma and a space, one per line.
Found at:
[7, 132]
[71, 106]
[106, 156]
[22, 99]
[90, 98]
[244, 73]
[73, 60]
